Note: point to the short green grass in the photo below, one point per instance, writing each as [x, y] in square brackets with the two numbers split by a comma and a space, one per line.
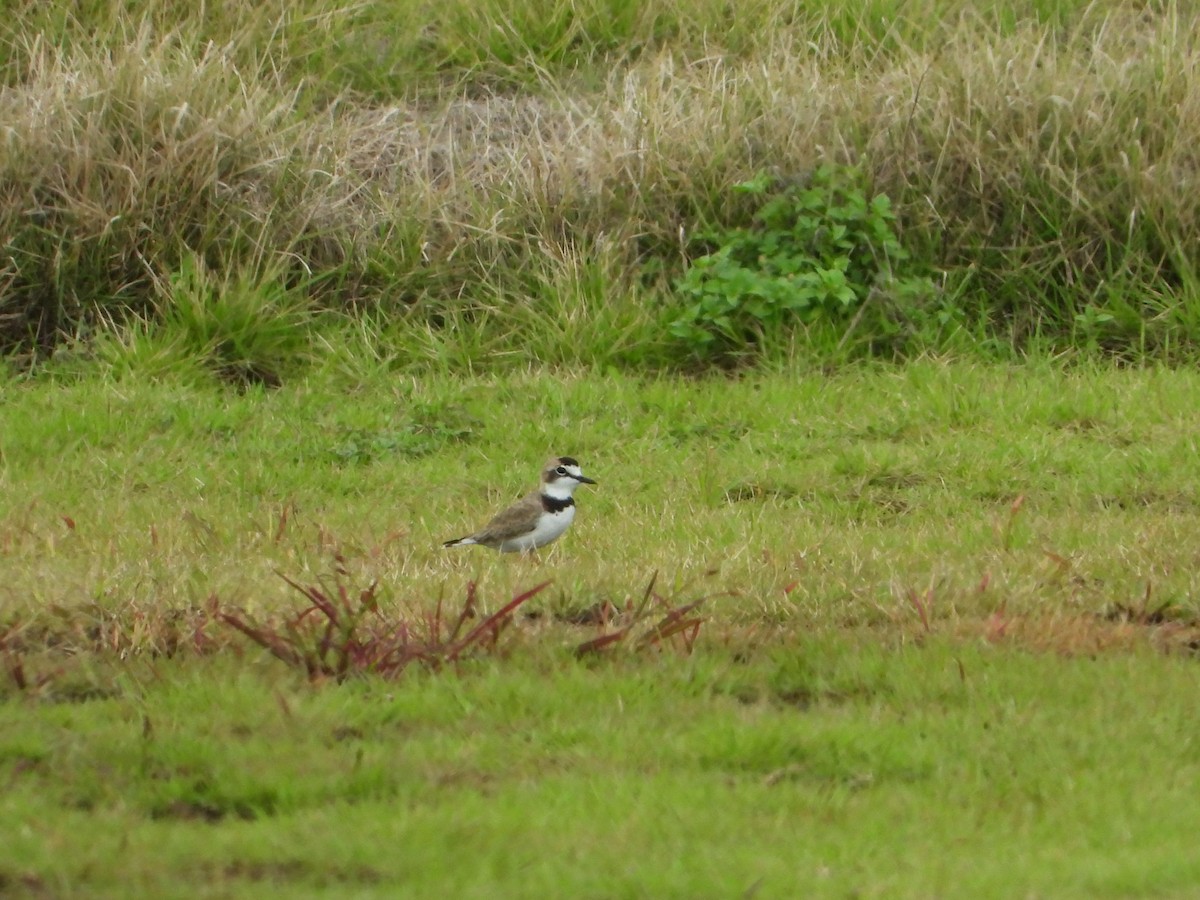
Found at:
[823, 767]
[948, 645]
[844, 489]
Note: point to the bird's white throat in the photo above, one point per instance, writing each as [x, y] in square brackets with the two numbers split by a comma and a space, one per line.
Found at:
[560, 488]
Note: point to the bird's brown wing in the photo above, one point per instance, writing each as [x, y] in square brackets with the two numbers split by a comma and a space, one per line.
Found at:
[520, 518]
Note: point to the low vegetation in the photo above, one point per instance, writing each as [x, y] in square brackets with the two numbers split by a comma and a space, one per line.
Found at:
[822, 255]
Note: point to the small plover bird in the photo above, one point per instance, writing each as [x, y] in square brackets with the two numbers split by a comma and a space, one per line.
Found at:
[537, 518]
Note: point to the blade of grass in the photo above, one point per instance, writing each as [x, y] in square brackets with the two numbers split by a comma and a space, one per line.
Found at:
[492, 622]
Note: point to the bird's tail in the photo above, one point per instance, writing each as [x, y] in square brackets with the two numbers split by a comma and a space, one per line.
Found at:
[462, 541]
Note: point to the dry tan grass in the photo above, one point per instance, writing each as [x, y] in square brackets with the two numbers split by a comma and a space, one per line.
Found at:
[1036, 162]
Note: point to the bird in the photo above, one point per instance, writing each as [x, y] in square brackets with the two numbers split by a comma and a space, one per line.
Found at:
[536, 519]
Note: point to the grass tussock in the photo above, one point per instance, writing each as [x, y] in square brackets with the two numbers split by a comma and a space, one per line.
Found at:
[557, 175]
[120, 168]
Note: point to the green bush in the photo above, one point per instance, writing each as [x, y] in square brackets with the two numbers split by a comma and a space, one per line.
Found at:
[821, 254]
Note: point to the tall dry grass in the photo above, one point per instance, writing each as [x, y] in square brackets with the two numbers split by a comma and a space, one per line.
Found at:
[1045, 168]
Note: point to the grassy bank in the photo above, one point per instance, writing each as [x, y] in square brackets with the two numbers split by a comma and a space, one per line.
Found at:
[512, 170]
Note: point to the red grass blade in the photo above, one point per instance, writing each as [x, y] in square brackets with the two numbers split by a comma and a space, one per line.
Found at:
[595, 645]
[491, 623]
[266, 639]
[467, 612]
[922, 604]
[673, 623]
[16, 670]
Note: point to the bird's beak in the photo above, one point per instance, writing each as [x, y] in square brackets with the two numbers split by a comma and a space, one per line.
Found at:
[583, 479]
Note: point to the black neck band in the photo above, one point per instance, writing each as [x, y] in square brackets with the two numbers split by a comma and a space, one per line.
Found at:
[555, 505]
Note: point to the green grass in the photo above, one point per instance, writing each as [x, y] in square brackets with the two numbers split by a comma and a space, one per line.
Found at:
[851, 484]
[827, 767]
[948, 641]
[305, 291]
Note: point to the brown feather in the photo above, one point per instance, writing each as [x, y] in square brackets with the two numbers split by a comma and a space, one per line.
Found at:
[520, 518]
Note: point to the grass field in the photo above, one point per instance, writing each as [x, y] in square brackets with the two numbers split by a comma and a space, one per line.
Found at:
[947, 645]
[876, 321]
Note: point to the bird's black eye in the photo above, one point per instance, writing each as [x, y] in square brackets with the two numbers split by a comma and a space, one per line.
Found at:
[561, 470]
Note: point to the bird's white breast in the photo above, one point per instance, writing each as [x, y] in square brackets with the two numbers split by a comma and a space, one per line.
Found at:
[549, 527]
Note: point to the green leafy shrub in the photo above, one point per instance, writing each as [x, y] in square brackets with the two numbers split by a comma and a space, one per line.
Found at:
[818, 254]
